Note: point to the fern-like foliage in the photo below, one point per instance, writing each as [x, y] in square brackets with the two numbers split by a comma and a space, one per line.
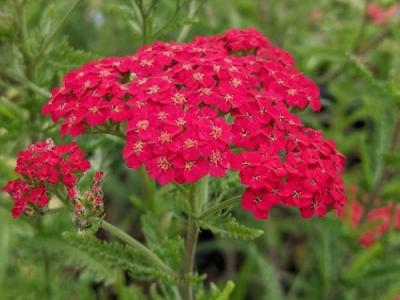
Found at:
[113, 256]
[228, 226]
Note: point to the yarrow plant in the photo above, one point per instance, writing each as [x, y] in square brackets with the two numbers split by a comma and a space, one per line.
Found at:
[217, 104]
[187, 112]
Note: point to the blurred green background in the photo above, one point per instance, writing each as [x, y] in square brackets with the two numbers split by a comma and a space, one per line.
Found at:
[355, 62]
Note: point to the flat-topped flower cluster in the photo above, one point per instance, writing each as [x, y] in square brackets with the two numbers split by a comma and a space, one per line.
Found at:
[41, 167]
[216, 104]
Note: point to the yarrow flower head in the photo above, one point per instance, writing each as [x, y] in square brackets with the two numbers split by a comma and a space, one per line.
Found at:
[216, 104]
[42, 167]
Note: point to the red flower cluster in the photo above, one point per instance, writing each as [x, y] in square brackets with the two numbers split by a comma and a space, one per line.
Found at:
[42, 165]
[205, 107]
[380, 15]
[380, 219]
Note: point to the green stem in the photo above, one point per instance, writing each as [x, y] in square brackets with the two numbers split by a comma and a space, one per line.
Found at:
[146, 252]
[57, 28]
[191, 243]
[46, 261]
[146, 21]
[186, 28]
[149, 188]
[146, 28]
[199, 197]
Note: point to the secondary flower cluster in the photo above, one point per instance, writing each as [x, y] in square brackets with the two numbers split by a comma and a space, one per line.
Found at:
[379, 220]
[41, 167]
[202, 108]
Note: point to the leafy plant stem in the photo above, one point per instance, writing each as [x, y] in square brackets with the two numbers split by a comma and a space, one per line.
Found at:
[146, 252]
[198, 198]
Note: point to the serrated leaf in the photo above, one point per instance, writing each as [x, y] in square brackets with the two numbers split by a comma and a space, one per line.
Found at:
[114, 255]
[172, 251]
[227, 226]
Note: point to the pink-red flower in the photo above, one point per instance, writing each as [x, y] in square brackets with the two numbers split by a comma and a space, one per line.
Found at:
[199, 108]
[41, 167]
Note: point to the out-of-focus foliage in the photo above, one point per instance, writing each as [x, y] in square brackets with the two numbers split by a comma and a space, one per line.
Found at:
[357, 66]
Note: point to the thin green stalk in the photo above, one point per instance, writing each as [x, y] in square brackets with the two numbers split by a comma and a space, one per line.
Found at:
[191, 243]
[199, 197]
[57, 28]
[147, 29]
[146, 252]
[145, 19]
[149, 187]
[186, 28]
[46, 261]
